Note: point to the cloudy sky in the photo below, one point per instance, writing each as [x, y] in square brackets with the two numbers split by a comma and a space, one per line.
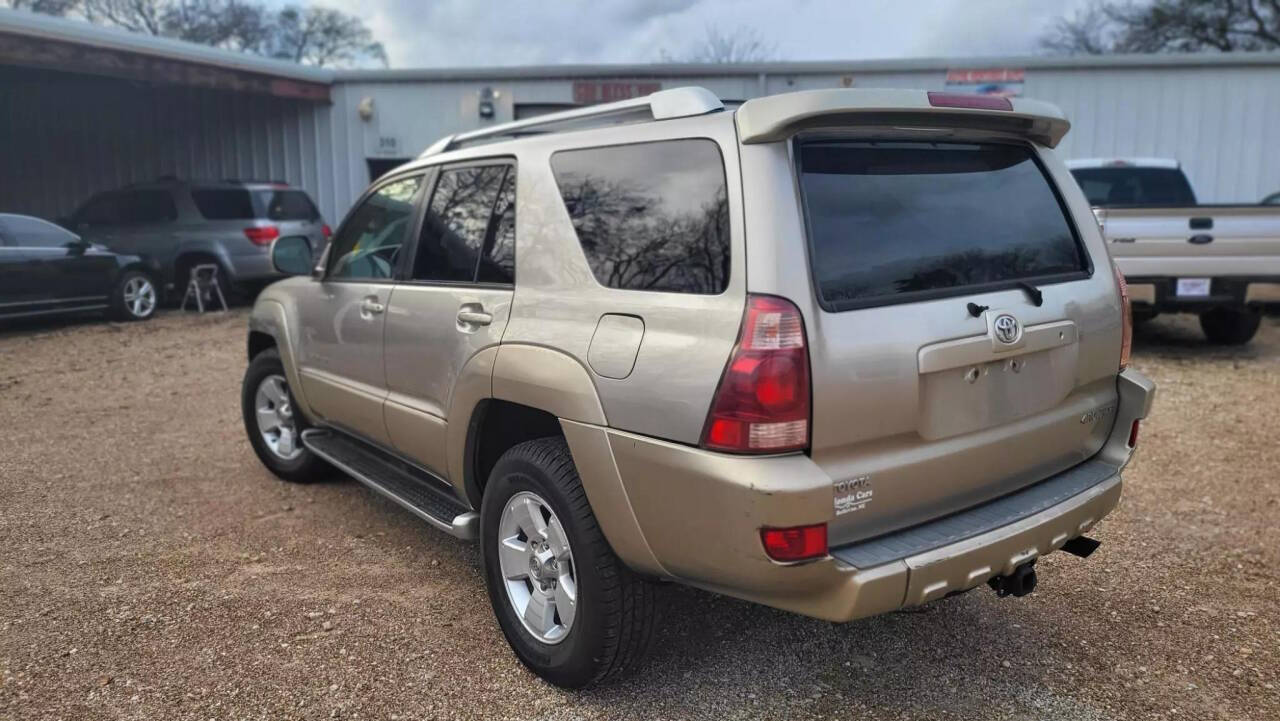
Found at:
[443, 33]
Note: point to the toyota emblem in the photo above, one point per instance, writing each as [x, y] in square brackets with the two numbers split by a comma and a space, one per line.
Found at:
[1006, 329]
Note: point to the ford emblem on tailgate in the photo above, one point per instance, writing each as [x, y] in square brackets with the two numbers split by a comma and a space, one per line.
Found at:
[1006, 328]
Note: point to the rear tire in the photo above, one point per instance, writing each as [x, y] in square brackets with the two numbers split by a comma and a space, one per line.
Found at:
[611, 619]
[1229, 326]
[265, 399]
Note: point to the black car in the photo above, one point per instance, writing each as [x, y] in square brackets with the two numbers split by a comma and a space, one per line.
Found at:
[46, 269]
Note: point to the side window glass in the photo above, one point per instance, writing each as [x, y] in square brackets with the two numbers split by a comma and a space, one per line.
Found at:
[458, 223]
[498, 261]
[100, 212]
[370, 240]
[650, 216]
[31, 232]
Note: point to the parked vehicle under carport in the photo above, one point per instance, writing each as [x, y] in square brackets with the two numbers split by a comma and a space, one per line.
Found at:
[48, 270]
[184, 224]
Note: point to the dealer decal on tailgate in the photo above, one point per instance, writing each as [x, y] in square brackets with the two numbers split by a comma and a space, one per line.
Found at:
[852, 495]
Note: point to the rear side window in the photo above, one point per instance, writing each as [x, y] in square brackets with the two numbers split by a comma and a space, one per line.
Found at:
[147, 206]
[893, 222]
[224, 204]
[244, 204]
[1134, 186]
[128, 207]
[284, 205]
[650, 216]
[459, 226]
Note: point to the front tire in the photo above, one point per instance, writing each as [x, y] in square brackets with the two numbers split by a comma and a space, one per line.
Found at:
[538, 536]
[274, 426]
[136, 297]
[1229, 326]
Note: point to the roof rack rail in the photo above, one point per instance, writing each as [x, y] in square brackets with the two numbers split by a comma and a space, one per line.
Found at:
[662, 105]
[245, 181]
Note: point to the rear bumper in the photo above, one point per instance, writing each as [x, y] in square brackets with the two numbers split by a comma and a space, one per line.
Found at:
[693, 516]
[252, 267]
[1160, 293]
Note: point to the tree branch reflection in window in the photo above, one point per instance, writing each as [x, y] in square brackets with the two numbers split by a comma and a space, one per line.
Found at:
[650, 216]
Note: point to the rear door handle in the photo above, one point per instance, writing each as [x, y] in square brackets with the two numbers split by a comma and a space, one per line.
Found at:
[371, 306]
[474, 317]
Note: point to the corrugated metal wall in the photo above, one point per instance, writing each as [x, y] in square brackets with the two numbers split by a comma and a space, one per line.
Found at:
[1221, 121]
[64, 137]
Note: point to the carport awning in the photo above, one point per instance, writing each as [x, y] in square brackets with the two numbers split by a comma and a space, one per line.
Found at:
[30, 40]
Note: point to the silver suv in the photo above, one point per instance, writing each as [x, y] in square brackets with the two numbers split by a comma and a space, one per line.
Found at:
[837, 352]
[179, 225]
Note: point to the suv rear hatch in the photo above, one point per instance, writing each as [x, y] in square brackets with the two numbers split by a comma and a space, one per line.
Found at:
[262, 212]
[927, 399]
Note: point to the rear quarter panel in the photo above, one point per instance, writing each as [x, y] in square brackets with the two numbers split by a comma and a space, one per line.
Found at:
[558, 303]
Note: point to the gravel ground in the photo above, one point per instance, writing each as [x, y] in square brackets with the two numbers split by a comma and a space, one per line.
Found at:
[154, 570]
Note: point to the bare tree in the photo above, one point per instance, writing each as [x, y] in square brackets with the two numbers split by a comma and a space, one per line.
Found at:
[322, 36]
[231, 24]
[313, 35]
[139, 16]
[48, 7]
[740, 45]
[1153, 26]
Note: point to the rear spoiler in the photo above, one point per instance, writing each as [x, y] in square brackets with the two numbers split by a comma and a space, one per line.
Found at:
[777, 117]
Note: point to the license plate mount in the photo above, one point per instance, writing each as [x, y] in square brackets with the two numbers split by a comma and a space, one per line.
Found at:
[1193, 287]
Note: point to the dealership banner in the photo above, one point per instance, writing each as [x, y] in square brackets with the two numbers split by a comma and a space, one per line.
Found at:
[1006, 82]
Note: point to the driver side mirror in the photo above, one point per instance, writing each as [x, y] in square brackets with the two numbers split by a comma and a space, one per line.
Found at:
[291, 255]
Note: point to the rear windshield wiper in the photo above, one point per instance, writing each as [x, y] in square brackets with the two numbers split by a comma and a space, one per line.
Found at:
[1037, 298]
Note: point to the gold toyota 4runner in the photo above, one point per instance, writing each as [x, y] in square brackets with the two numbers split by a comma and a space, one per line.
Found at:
[838, 352]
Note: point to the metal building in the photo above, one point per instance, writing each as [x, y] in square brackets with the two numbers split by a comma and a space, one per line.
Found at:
[85, 108]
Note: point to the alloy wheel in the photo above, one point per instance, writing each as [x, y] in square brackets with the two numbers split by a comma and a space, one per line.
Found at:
[537, 567]
[276, 422]
[139, 296]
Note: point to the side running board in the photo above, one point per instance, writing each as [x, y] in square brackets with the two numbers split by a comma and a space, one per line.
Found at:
[424, 495]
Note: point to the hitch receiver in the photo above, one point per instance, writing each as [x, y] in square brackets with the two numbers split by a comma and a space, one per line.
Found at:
[1019, 583]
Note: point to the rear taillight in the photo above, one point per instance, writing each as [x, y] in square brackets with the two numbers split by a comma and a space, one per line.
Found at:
[262, 235]
[326, 230]
[1126, 333]
[1133, 434]
[762, 404]
[971, 102]
[799, 543]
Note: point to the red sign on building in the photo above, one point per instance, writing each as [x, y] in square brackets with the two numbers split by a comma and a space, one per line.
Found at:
[589, 92]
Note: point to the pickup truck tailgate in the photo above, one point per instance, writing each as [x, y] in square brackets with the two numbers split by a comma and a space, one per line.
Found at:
[1206, 240]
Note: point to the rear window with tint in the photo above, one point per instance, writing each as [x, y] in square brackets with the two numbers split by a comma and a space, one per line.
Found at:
[894, 222]
[650, 216]
[230, 204]
[244, 204]
[1134, 186]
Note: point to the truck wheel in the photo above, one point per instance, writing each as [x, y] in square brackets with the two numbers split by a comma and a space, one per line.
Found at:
[135, 297]
[1228, 326]
[274, 427]
[573, 613]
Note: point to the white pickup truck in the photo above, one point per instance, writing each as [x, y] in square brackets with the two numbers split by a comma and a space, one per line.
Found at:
[1221, 262]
